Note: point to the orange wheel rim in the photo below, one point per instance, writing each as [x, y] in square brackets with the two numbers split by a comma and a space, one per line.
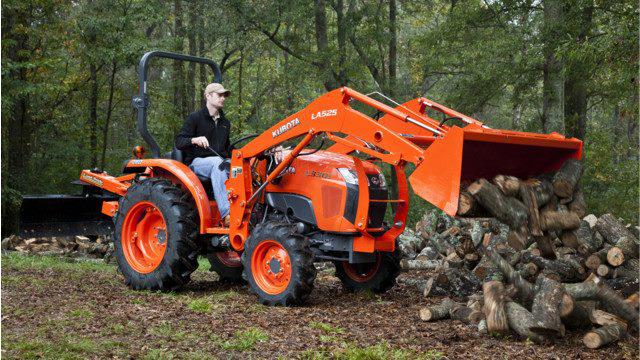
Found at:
[229, 258]
[362, 272]
[144, 237]
[271, 267]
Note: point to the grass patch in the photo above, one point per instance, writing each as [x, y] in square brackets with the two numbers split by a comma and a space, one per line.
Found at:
[166, 330]
[81, 314]
[380, 351]
[245, 340]
[66, 348]
[22, 261]
[200, 305]
[328, 328]
[158, 354]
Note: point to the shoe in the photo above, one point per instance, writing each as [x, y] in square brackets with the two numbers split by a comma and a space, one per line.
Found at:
[226, 221]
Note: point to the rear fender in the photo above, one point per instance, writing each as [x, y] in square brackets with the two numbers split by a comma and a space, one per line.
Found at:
[179, 173]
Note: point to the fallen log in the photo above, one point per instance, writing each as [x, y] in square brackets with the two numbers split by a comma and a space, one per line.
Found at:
[458, 282]
[465, 314]
[509, 185]
[566, 178]
[546, 247]
[466, 204]
[437, 312]
[518, 239]
[595, 289]
[529, 200]
[603, 336]
[567, 270]
[559, 220]
[603, 318]
[580, 317]
[520, 320]
[604, 271]
[507, 209]
[542, 190]
[626, 248]
[494, 300]
[546, 307]
[633, 300]
[624, 286]
[525, 288]
[611, 229]
[420, 264]
[578, 205]
[587, 243]
[569, 239]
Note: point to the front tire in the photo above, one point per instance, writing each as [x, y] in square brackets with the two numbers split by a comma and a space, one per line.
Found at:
[227, 264]
[154, 238]
[379, 276]
[278, 265]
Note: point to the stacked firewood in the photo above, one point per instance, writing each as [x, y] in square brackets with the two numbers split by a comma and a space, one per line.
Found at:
[73, 246]
[537, 268]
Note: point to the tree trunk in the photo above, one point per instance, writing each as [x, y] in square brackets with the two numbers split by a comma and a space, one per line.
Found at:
[393, 40]
[553, 79]
[190, 90]
[93, 115]
[320, 15]
[178, 69]
[107, 120]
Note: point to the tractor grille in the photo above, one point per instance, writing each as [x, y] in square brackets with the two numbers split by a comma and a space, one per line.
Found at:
[376, 209]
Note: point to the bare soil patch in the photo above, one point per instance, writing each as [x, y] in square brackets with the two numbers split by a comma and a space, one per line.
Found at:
[56, 308]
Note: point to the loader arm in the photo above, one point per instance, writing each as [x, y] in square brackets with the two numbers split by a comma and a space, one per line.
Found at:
[443, 155]
[331, 114]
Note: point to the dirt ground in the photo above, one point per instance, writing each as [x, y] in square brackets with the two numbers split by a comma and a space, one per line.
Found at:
[57, 308]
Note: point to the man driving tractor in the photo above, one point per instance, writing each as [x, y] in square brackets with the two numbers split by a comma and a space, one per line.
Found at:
[204, 138]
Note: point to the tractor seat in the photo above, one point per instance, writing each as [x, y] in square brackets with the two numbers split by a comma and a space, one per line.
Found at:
[206, 182]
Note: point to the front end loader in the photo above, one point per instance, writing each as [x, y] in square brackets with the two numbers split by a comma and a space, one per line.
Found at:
[315, 205]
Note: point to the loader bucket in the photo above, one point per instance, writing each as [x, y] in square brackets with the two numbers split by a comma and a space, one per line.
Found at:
[474, 152]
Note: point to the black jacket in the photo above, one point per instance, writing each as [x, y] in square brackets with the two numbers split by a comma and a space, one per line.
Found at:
[200, 123]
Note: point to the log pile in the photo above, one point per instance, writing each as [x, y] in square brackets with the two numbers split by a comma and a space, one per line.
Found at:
[76, 246]
[539, 268]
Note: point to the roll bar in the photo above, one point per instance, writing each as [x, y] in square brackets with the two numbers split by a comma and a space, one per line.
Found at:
[141, 101]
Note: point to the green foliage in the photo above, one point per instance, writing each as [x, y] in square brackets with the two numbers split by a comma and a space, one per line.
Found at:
[328, 328]
[200, 305]
[482, 58]
[11, 201]
[245, 340]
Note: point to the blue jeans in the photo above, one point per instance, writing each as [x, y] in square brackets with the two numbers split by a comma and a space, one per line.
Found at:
[209, 167]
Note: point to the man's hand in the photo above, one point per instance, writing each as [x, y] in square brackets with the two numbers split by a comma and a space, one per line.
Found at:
[278, 154]
[200, 141]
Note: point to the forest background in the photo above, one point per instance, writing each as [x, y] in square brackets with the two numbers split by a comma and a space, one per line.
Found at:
[69, 72]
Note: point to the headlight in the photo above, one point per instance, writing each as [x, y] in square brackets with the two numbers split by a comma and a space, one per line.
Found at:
[349, 175]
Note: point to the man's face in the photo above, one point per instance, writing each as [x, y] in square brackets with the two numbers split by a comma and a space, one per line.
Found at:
[216, 100]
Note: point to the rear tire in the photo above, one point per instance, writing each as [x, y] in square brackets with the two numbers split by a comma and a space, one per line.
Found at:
[278, 265]
[378, 277]
[154, 237]
[227, 265]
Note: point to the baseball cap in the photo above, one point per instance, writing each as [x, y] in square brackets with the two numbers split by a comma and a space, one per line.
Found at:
[217, 88]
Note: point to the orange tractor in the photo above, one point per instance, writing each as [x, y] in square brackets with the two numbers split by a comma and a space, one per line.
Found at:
[315, 205]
